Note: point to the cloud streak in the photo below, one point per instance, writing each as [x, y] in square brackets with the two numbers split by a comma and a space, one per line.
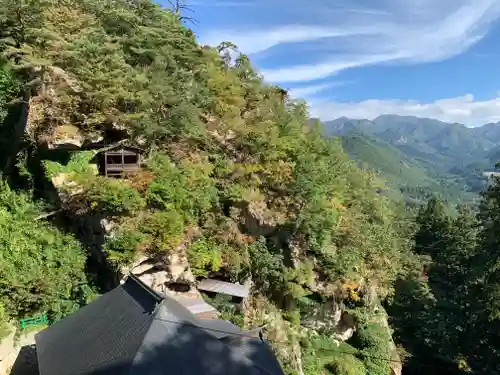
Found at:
[389, 31]
[310, 91]
[463, 109]
[254, 42]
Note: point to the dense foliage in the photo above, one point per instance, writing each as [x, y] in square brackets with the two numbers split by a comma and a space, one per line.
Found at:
[449, 311]
[41, 269]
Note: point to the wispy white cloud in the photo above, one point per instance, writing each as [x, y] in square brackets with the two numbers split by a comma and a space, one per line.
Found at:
[311, 72]
[311, 91]
[462, 109]
[254, 42]
[388, 31]
[307, 91]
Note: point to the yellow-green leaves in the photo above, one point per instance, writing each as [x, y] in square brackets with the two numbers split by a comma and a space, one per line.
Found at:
[186, 188]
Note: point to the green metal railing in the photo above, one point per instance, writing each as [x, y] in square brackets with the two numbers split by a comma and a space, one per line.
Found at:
[42, 319]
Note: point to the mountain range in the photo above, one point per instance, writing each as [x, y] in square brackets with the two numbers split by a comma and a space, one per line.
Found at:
[421, 157]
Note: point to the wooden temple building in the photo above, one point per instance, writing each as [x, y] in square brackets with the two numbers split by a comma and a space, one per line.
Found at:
[118, 161]
[133, 330]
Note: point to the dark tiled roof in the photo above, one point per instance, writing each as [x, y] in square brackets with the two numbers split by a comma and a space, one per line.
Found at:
[128, 331]
[256, 351]
[108, 331]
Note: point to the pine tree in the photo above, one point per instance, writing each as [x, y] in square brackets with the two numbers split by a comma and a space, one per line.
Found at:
[434, 315]
[434, 226]
[484, 310]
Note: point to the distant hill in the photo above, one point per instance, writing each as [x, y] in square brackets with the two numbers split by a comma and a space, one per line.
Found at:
[421, 153]
[372, 152]
[401, 172]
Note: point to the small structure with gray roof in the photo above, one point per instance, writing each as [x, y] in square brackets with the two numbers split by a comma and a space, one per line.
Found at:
[222, 287]
[238, 292]
[133, 330]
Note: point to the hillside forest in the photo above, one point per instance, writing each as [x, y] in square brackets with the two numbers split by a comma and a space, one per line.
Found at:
[348, 278]
[420, 157]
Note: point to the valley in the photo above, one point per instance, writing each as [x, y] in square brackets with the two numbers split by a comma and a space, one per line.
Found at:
[422, 157]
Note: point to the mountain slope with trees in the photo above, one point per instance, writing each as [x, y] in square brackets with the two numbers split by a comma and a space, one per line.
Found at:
[452, 155]
[408, 178]
[234, 178]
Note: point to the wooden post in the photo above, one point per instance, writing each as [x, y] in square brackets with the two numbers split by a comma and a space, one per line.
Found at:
[106, 163]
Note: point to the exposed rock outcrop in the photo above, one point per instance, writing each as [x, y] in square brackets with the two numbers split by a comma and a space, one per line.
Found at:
[66, 135]
[11, 350]
[277, 330]
[259, 220]
[329, 317]
[396, 363]
[168, 273]
[66, 189]
[162, 271]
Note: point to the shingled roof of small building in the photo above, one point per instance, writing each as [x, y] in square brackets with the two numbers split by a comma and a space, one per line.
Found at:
[132, 330]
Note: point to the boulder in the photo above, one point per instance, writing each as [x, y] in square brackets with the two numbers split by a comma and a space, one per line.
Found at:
[66, 136]
[332, 319]
[259, 220]
[165, 273]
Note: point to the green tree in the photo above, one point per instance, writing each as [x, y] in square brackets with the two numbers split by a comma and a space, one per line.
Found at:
[432, 311]
[41, 269]
[433, 230]
[484, 310]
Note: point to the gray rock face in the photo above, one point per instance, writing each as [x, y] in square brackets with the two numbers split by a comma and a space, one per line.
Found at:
[330, 318]
[396, 363]
[259, 220]
[161, 271]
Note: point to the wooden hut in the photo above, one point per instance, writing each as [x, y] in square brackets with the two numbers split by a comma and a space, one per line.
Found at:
[119, 161]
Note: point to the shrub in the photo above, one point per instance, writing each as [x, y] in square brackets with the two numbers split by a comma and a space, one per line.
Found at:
[186, 188]
[293, 316]
[41, 269]
[4, 323]
[165, 230]
[113, 196]
[204, 257]
[322, 353]
[10, 87]
[123, 246]
[347, 365]
[372, 340]
[78, 164]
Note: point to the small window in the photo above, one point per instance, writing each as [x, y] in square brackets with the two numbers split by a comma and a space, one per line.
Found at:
[113, 159]
[130, 159]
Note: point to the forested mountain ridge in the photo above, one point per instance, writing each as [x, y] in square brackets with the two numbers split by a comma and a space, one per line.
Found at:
[235, 183]
[453, 155]
[444, 138]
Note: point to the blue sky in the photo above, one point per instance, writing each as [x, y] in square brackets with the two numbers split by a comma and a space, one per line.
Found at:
[363, 58]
